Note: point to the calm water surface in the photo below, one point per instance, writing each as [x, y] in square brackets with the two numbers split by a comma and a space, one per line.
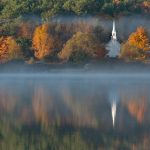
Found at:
[61, 113]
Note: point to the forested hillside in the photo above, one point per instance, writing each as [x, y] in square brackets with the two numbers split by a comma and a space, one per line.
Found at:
[48, 8]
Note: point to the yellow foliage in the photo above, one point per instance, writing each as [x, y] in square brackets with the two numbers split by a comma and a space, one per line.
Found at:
[42, 41]
[83, 42]
[139, 39]
[9, 49]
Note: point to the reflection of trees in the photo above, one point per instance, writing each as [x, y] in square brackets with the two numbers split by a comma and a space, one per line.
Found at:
[40, 105]
[80, 107]
[8, 100]
[15, 104]
[80, 112]
[137, 108]
[63, 107]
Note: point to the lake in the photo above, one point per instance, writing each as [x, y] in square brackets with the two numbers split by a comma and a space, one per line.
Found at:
[74, 112]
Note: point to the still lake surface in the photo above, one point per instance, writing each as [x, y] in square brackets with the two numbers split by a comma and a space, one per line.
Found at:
[73, 112]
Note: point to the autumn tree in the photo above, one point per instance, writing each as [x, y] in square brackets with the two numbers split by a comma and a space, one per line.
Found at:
[9, 49]
[139, 39]
[42, 42]
[136, 46]
[82, 45]
[129, 52]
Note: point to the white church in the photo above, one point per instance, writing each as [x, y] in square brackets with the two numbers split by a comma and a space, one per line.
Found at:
[113, 46]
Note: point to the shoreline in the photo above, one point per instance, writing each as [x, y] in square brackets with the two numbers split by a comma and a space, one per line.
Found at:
[96, 66]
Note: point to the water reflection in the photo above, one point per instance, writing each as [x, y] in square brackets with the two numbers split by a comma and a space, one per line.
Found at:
[90, 111]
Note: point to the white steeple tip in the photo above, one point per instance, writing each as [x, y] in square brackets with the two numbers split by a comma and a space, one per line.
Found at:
[114, 34]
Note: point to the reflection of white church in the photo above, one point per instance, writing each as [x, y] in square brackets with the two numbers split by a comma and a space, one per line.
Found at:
[113, 46]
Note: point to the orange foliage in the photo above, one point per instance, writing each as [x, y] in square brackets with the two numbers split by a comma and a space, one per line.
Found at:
[42, 41]
[137, 109]
[9, 49]
[139, 39]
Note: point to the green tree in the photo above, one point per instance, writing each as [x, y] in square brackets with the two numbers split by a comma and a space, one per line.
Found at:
[16, 8]
[80, 6]
[25, 45]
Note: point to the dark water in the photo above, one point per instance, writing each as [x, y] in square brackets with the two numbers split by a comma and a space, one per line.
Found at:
[74, 112]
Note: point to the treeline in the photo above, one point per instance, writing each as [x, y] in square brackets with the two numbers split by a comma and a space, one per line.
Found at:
[12, 11]
[27, 31]
[48, 8]
[76, 42]
[52, 42]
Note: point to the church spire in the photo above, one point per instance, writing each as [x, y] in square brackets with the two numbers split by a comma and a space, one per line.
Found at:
[114, 35]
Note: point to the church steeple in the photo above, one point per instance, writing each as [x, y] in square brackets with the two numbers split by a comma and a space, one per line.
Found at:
[114, 34]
